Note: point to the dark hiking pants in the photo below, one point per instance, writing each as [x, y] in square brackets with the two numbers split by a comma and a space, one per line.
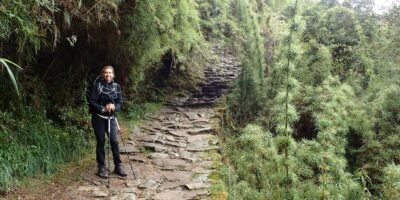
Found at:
[100, 127]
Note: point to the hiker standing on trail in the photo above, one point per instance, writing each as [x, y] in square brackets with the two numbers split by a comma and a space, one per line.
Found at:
[106, 99]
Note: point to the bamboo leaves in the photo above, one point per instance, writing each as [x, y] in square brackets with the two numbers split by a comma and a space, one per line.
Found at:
[5, 63]
[251, 84]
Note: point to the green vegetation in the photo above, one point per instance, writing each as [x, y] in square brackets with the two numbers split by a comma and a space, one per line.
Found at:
[33, 144]
[165, 44]
[137, 112]
[322, 121]
[218, 189]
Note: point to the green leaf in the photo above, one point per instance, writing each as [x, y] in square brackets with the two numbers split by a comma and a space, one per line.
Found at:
[11, 62]
[4, 62]
[67, 18]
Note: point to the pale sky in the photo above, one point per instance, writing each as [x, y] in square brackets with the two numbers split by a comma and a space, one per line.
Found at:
[382, 5]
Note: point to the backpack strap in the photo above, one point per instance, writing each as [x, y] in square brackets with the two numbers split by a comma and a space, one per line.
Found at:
[99, 88]
[115, 87]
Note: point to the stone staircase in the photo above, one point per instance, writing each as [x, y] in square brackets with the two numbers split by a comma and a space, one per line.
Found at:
[218, 78]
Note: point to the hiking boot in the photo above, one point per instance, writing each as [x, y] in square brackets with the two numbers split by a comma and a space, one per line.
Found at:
[101, 172]
[118, 170]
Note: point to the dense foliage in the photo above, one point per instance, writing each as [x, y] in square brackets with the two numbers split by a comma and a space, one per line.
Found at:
[319, 105]
[61, 45]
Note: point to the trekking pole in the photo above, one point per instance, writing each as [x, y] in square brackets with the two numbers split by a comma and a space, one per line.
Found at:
[109, 147]
[123, 142]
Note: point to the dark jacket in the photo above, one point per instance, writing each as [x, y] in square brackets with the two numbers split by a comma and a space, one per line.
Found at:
[104, 93]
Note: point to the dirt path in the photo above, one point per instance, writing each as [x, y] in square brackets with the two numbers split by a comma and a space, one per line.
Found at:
[170, 150]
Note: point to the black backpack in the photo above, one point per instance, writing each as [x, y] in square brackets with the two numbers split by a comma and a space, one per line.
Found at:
[90, 85]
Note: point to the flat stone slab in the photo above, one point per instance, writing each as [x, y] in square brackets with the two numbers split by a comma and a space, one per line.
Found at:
[196, 131]
[169, 164]
[188, 156]
[200, 178]
[88, 188]
[155, 146]
[201, 138]
[200, 145]
[171, 185]
[201, 121]
[136, 130]
[178, 133]
[148, 138]
[149, 184]
[168, 195]
[176, 175]
[171, 111]
[99, 193]
[203, 149]
[192, 115]
[180, 109]
[176, 194]
[196, 186]
[180, 126]
[169, 122]
[202, 167]
[125, 196]
[128, 149]
[169, 138]
[155, 118]
[149, 129]
[158, 155]
[174, 144]
[139, 158]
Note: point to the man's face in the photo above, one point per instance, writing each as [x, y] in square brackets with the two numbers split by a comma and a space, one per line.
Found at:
[108, 75]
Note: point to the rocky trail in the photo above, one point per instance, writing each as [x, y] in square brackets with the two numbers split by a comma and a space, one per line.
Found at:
[169, 150]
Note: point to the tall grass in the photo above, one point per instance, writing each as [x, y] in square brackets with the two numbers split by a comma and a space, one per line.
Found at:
[37, 145]
[136, 112]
